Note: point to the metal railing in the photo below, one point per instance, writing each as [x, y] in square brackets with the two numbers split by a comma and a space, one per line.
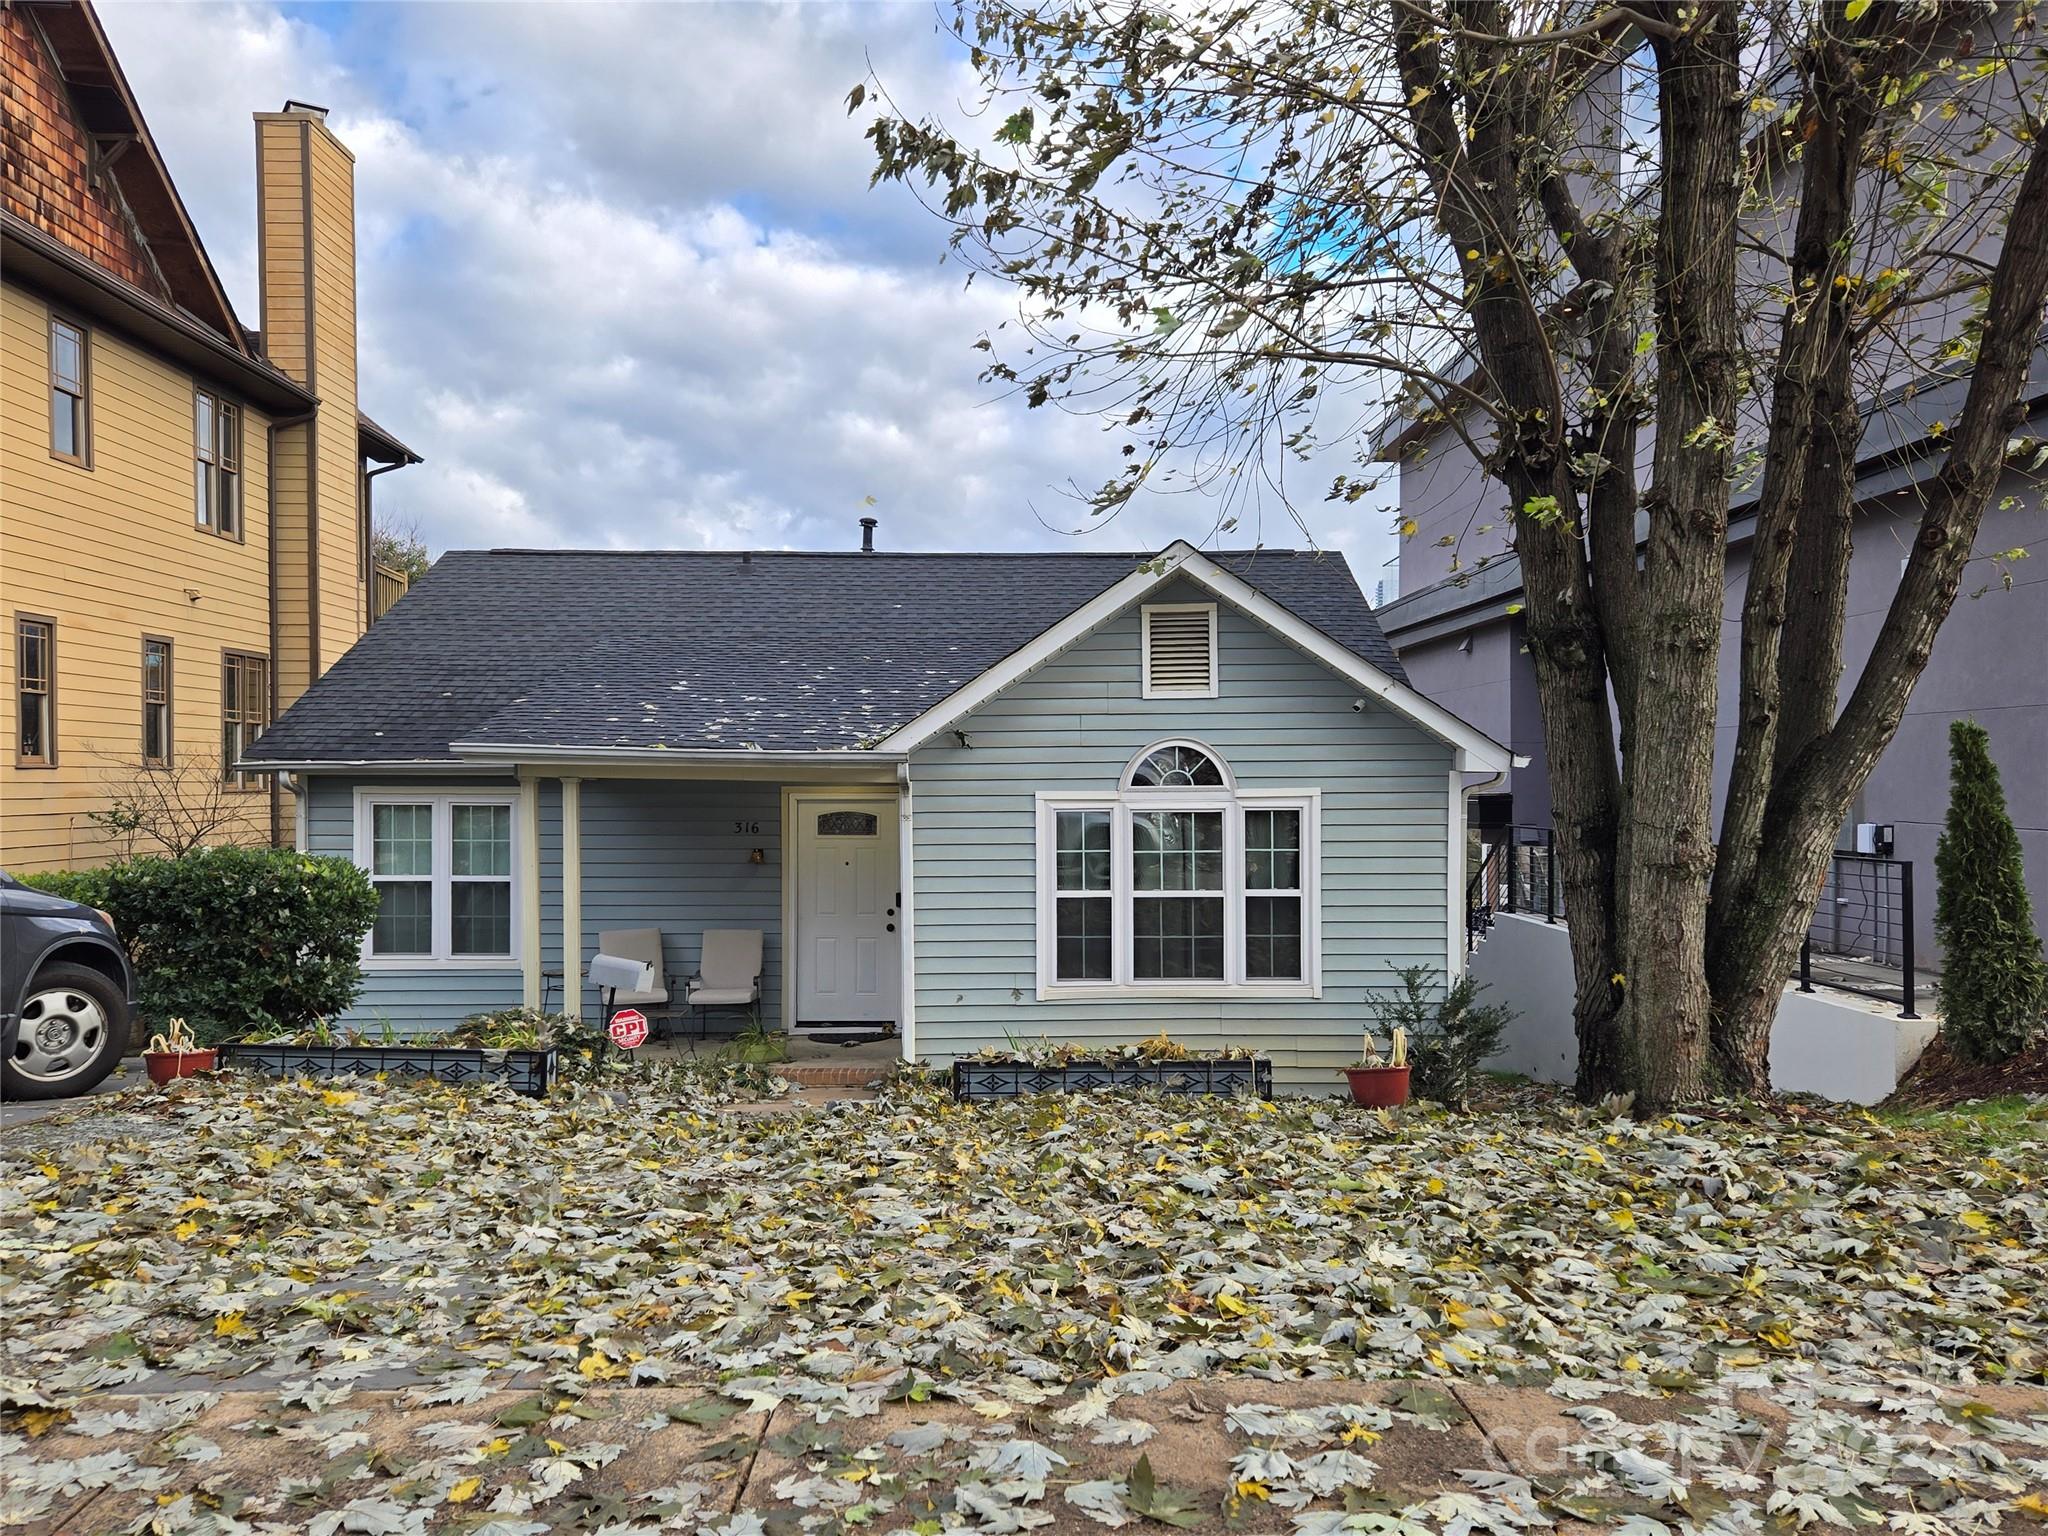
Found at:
[1862, 925]
[1864, 917]
[1517, 874]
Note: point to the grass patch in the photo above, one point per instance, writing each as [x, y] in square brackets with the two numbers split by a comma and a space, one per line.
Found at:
[1984, 1125]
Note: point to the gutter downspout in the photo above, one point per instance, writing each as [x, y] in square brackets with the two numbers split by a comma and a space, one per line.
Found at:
[270, 556]
[367, 555]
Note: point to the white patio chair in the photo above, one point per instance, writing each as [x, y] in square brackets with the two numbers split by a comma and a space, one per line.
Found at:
[729, 973]
[644, 945]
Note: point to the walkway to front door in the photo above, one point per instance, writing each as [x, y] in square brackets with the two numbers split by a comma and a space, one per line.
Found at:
[847, 967]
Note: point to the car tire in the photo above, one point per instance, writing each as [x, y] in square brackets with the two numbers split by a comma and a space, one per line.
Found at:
[71, 1033]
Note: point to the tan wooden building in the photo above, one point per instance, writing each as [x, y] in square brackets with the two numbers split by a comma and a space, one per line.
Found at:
[185, 504]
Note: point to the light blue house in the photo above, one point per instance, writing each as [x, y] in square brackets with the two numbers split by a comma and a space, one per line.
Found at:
[978, 797]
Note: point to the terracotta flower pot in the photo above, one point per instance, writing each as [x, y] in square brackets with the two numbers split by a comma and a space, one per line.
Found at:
[1378, 1087]
[165, 1065]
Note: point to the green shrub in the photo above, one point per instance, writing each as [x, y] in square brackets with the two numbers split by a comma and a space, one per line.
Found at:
[237, 942]
[1994, 987]
[1450, 1032]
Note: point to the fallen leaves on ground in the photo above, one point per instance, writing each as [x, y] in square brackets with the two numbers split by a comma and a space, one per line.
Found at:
[1011, 1289]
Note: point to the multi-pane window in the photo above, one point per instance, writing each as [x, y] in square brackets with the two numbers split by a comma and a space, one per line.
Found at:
[442, 866]
[1176, 923]
[480, 880]
[35, 684]
[217, 465]
[402, 868]
[1180, 880]
[1272, 895]
[70, 417]
[1082, 901]
[156, 703]
[244, 712]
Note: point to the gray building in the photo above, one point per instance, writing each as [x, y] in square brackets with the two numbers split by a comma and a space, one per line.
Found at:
[1463, 648]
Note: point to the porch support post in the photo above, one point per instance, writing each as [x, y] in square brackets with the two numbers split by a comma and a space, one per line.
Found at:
[572, 897]
[906, 920]
[529, 882]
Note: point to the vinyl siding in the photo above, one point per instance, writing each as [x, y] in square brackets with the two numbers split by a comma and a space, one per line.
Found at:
[1282, 721]
[146, 569]
[667, 855]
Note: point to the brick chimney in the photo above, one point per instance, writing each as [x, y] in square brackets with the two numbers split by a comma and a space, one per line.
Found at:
[306, 247]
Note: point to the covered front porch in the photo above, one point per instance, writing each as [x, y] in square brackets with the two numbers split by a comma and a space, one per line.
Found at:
[815, 867]
[623, 857]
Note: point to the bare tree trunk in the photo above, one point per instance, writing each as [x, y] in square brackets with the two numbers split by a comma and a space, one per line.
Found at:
[1481, 168]
[1665, 853]
[1762, 928]
[1811, 391]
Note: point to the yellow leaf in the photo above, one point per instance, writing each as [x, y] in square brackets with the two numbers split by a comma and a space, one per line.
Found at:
[228, 1324]
[1976, 1221]
[184, 1229]
[991, 1409]
[337, 1096]
[465, 1490]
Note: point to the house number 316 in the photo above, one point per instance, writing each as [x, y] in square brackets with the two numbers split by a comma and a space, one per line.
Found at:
[746, 826]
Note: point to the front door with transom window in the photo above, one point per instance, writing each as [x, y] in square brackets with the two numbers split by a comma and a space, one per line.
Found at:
[847, 965]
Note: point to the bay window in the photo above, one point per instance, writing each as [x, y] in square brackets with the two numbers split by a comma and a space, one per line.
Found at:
[443, 867]
[1178, 883]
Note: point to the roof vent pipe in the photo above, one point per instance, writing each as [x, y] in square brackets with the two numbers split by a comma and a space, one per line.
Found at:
[867, 535]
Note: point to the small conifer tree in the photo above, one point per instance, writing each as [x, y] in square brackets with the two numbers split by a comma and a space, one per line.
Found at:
[1994, 986]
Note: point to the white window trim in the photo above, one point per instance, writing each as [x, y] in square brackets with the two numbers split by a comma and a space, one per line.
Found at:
[443, 801]
[1145, 652]
[1233, 804]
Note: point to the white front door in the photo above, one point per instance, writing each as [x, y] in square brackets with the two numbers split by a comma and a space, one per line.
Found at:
[847, 968]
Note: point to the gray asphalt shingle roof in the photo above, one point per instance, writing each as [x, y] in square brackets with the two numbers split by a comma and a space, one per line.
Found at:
[699, 651]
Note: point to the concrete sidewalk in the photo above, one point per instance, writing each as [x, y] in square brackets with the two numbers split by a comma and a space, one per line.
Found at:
[687, 1455]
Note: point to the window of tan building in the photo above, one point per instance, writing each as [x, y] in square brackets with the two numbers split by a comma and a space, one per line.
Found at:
[156, 702]
[217, 465]
[244, 712]
[35, 674]
[70, 397]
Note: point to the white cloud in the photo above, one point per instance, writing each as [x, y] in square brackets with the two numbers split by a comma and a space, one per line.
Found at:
[623, 283]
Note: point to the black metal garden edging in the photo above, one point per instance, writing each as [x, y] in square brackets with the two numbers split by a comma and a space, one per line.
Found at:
[529, 1072]
[1013, 1079]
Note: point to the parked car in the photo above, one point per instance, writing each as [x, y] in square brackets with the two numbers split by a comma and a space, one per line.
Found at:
[67, 993]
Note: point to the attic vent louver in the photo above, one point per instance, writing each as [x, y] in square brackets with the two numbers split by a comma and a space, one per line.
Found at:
[1180, 650]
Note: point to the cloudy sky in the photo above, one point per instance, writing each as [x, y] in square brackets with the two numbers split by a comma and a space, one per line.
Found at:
[623, 281]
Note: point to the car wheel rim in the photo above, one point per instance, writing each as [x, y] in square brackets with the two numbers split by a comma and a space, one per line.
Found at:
[59, 1035]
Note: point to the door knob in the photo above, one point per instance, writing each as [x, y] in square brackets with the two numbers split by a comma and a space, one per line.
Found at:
[890, 927]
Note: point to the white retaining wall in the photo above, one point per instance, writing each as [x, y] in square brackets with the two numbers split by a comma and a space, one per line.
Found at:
[1835, 1044]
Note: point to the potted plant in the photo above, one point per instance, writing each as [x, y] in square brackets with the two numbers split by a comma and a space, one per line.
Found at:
[176, 1055]
[1381, 1082]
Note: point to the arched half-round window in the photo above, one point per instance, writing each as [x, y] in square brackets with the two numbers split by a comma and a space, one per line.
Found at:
[1176, 765]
